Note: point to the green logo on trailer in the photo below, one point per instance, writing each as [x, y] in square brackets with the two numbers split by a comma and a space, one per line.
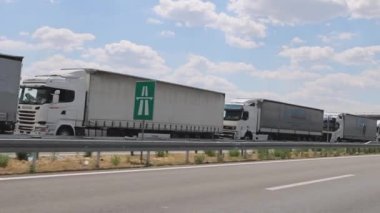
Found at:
[144, 100]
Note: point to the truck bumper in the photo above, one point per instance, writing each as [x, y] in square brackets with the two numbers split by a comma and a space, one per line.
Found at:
[228, 134]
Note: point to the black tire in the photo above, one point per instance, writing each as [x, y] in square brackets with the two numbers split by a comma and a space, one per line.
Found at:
[248, 136]
[65, 131]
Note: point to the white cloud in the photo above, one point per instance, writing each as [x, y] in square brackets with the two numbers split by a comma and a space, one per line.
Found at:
[359, 55]
[48, 38]
[354, 56]
[285, 74]
[307, 53]
[198, 13]
[290, 11]
[200, 72]
[126, 55]
[192, 77]
[333, 37]
[167, 34]
[250, 17]
[242, 26]
[364, 8]
[239, 42]
[153, 21]
[61, 38]
[188, 12]
[304, 11]
[297, 41]
[201, 63]
[226, 68]
[334, 92]
[122, 57]
[13, 45]
[55, 63]
[330, 91]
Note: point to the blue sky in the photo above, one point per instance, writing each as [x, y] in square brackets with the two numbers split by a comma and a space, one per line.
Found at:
[319, 53]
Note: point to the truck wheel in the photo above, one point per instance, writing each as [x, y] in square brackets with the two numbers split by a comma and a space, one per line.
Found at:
[247, 136]
[65, 131]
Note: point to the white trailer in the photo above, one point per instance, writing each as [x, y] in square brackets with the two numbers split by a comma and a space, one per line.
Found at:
[10, 71]
[262, 119]
[89, 99]
[354, 128]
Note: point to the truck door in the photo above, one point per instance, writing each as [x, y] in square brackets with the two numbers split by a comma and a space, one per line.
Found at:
[62, 111]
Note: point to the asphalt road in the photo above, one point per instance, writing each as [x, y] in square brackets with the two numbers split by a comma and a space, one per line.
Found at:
[347, 184]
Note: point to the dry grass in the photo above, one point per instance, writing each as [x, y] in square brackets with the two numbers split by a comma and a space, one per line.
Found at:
[15, 167]
[79, 162]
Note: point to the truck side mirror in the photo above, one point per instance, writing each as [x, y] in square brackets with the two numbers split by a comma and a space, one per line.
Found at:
[245, 115]
[56, 96]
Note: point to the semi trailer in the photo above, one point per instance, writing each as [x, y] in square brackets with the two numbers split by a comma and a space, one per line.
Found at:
[348, 127]
[82, 101]
[10, 71]
[378, 131]
[263, 119]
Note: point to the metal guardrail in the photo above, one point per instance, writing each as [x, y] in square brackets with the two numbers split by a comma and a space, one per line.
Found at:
[75, 144]
[13, 143]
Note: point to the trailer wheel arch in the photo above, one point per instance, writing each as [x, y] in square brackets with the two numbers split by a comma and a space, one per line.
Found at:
[65, 130]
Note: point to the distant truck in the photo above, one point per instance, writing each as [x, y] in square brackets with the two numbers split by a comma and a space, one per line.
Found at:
[262, 119]
[84, 101]
[10, 71]
[348, 127]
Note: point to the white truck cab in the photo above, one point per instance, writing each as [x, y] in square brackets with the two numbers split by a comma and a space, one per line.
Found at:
[51, 104]
[353, 128]
[240, 120]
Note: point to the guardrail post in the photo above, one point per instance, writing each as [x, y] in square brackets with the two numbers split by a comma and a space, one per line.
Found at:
[220, 156]
[187, 156]
[147, 163]
[245, 156]
[97, 160]
[34, 159]
[141, 156]
[54, 156]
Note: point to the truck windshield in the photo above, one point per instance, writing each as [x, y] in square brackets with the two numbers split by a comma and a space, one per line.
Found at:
[232, 112]
[35, 95]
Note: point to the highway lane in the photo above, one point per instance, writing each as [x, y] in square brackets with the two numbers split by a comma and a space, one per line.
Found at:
[347, 184]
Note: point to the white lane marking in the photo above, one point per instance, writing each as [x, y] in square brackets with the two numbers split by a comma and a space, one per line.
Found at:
[177, 168]
[308, 182]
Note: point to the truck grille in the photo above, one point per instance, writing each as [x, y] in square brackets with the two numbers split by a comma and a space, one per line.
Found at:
[26, 120]
[228, 132]
[229, 127]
